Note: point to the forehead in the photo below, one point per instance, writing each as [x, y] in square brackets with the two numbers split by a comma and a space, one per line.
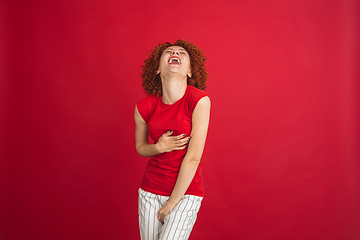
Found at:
[179, 48]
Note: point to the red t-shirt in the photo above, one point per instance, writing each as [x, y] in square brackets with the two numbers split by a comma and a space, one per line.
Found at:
[162, 170]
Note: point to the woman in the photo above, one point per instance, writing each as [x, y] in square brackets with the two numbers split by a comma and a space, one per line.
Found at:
[176, 116]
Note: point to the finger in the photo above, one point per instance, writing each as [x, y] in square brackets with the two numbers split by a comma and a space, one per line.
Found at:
[184, 141]
[180, 136]
[180, 148]
[160, 218]
[168, 133]
[180, 143]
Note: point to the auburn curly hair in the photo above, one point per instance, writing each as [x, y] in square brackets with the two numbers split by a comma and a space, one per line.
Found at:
[152, 81]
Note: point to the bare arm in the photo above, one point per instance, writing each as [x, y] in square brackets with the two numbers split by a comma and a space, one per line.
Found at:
[166, 143]
[200, 123]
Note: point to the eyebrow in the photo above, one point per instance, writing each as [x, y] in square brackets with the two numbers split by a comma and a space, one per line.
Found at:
[181, 49]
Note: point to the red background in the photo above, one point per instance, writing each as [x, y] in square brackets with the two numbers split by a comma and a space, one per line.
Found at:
[281, 160]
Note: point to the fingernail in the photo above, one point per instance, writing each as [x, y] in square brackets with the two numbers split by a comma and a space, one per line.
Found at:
[184, 134]
[171, 130]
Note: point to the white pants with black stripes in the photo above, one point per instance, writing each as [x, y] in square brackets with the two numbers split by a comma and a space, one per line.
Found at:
[177, 225]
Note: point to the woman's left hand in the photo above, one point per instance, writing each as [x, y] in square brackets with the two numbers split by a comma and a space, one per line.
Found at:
[164, 211]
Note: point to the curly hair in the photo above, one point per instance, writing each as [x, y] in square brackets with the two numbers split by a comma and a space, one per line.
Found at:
[152, 81]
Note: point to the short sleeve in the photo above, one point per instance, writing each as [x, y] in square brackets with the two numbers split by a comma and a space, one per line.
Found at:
[194, 97]
[145, 107]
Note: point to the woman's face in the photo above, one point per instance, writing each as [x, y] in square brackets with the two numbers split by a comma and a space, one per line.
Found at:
[175, 60]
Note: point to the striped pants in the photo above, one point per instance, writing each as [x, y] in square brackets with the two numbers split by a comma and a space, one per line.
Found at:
[177, 225]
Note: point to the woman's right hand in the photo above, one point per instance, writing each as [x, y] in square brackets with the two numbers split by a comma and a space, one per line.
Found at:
[168, 143]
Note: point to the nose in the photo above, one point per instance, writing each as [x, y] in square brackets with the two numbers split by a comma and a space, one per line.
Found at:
[175, 52]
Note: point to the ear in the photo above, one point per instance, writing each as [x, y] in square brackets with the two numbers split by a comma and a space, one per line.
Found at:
[189, 74]
[158, 71]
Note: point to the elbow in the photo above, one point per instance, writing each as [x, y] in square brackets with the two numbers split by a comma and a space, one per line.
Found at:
[139, 151]
[194, 160]
[144, 151]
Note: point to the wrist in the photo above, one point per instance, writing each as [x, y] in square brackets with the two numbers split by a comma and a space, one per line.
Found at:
[158, 148]
[171, 203]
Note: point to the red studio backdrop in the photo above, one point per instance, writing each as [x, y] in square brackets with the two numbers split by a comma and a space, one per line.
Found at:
[282, 156]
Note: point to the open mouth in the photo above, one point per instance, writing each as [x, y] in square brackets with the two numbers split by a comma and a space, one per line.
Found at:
[174, 60]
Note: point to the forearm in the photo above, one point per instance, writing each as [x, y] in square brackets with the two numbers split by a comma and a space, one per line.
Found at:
[200, 122]
[186, 174]
[148, 150]
[189, 165]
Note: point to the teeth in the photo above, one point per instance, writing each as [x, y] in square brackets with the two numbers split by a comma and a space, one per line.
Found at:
[172, 60]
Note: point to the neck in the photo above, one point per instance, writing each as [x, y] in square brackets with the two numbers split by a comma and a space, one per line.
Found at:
[173, 89]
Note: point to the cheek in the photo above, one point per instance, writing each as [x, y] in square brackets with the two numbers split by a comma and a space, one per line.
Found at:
[188, 65]
[162, 62]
